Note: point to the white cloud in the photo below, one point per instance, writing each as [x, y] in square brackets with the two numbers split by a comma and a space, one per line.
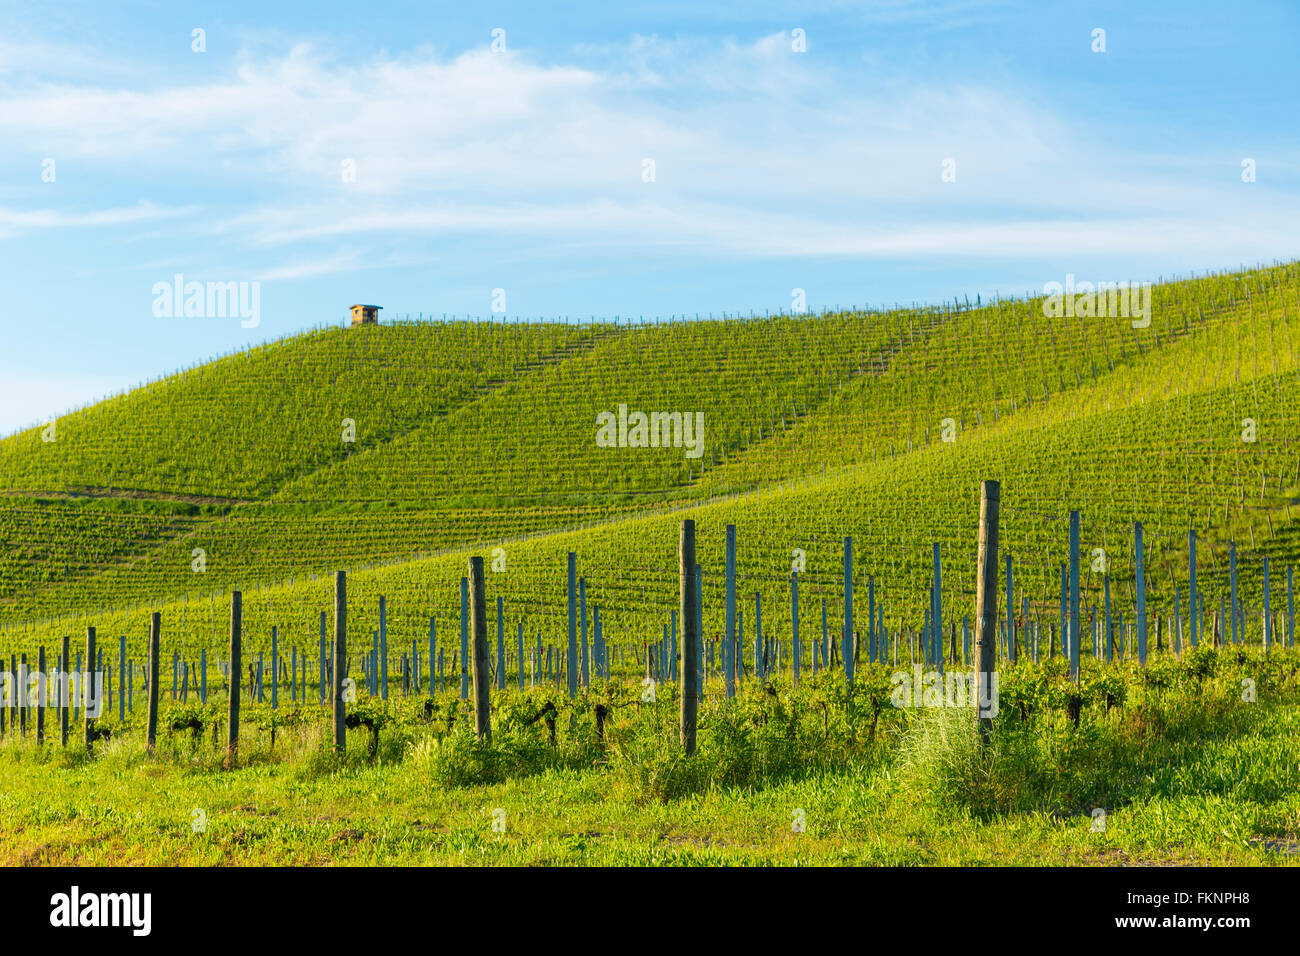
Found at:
[758, 152]
[308, 268]
[25, 219]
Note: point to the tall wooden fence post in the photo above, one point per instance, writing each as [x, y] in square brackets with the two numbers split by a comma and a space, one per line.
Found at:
[1193, 602]
[573, 625]
[1074, 597]
[337, 702]
[275, 674]
[690, 700]
[464, 638]
[88, 682]
[155, 643]
[478, 614]
[794, 626]
[986, 606]
[42, 698]
[846, 648]
[729, 648]
[236, 675]
[64, 684]
[383, 648]
[1011, 614]
[1140, 604]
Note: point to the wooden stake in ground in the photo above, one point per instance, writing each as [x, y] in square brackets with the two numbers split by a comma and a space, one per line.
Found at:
[155, 640]
[690, 637]
[986, 606]
[478, 623]
[340, 660]
[64, 685]
[236, 646]
[40, 702]
[88, 682]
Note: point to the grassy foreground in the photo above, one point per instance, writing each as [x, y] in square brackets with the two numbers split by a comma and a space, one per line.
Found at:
[1187, 770]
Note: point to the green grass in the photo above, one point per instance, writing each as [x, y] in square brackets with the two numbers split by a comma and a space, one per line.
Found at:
[1185, 770]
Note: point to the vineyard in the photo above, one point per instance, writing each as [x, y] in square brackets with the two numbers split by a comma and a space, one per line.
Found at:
[1147, 542]
[816, 429]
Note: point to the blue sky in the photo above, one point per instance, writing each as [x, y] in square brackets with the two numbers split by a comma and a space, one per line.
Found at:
[523, 169]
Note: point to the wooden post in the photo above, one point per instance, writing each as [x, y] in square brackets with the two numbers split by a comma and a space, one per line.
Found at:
[236, 664]
[464, 638]
[501, 643]
[482, 719]
[846, 650]
[690, 636]
[383, 648]
[700, 672]
[986, 604]
[275, 671]
[1193, 604]
[340, 661]
[936, 616]
[1011, 615]
[573, 625]
[20, 676]
[1110, 634]
[64, 684]
[155, 652]
[582, 618]
[873, 632]
[794, 625]
[88, 684]
[44, 695]
[729, 649]
[1074, 597]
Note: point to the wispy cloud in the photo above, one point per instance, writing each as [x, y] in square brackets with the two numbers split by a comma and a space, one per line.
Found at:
[19, 220]
[757, 150]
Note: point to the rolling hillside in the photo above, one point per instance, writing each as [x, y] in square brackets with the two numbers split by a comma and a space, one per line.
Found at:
[816, 427]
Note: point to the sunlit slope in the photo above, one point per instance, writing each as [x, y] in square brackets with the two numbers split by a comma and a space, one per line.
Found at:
[736, 382]
[1174, 463]
[1146, 423]
[517, 455]
[246, 424]
[978, 367]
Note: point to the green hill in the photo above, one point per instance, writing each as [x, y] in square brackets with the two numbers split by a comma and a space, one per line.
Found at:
[471, 436]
